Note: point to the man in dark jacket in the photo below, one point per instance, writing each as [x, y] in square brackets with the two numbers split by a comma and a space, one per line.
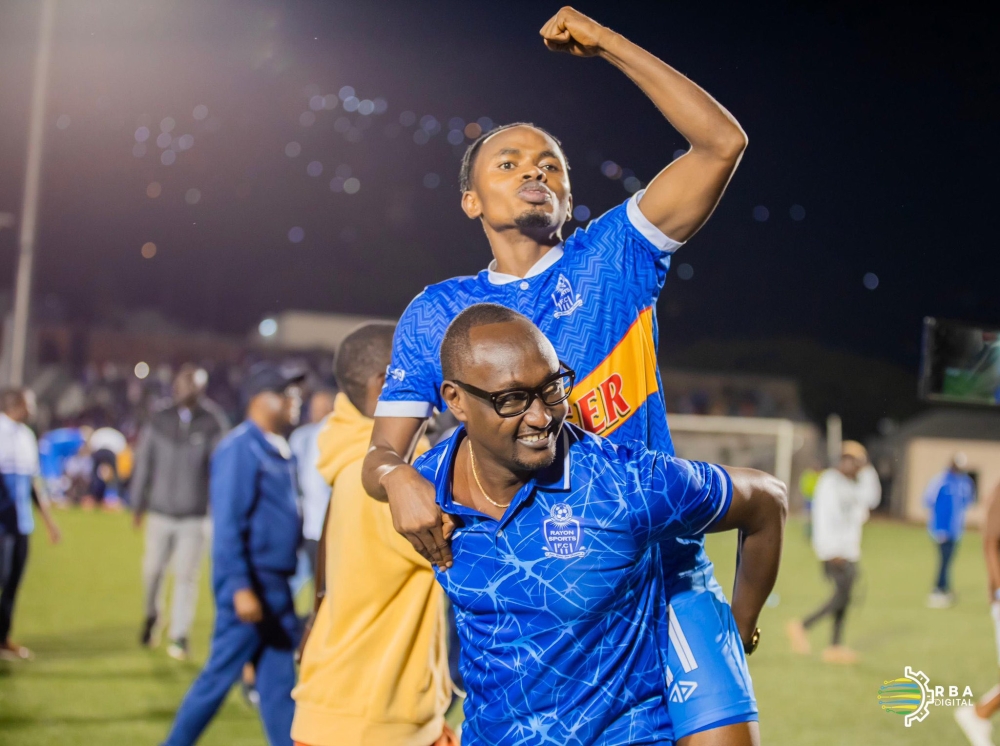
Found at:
[170, 482]
[257, 529]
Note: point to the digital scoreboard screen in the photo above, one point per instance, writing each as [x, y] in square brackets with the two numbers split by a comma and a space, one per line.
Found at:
[961, 363]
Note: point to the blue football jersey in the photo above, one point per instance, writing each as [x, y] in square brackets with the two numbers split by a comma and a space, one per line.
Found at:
[594, 296]
[557, 603]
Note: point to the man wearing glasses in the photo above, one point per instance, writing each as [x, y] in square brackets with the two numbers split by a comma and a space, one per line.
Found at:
[556, 579]
[594, 295]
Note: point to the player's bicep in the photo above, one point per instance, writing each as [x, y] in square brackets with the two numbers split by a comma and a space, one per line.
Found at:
[681, 198]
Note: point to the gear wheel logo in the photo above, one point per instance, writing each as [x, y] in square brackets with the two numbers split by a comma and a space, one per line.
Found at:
[909, 696]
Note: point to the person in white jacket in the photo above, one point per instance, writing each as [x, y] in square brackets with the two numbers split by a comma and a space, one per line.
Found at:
[842, 502]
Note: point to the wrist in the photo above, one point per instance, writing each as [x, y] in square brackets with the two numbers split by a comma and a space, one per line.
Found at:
[395, 475]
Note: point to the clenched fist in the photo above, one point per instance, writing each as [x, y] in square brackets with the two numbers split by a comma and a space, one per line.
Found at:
[571, 31]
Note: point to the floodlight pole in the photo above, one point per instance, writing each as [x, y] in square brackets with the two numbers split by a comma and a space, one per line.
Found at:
[29, 208]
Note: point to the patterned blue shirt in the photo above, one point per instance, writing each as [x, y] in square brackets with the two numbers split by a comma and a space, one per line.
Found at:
[555, 603]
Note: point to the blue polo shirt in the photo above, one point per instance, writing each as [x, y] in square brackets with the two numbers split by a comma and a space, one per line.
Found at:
[556, 603]
[947, 498]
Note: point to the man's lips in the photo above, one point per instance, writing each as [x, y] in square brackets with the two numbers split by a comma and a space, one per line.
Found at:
[536, 194]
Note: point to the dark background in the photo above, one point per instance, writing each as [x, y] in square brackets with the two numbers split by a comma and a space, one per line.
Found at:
[880, 120]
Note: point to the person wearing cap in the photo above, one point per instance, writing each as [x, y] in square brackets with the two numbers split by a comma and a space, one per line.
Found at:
[844, 497]
[946, 498]
[256, 533]
[170, 484]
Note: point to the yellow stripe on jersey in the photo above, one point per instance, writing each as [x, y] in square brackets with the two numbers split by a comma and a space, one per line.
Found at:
[620, 384]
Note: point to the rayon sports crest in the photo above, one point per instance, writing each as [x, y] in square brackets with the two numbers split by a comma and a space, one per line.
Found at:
[564, 299]
[563, 533]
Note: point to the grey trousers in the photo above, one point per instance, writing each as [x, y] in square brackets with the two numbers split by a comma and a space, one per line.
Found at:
[184, 540]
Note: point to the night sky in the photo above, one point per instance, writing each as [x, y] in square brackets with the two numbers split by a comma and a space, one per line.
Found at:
[879, 125]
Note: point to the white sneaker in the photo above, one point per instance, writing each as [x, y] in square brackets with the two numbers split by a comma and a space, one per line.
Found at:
[938, 600]
[978, 730]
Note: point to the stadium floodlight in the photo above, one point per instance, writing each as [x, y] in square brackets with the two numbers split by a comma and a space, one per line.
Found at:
[29, 208]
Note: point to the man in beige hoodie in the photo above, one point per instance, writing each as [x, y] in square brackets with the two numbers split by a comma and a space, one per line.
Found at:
[374, 670]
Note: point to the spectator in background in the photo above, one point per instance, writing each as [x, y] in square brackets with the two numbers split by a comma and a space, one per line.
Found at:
[257, 530]
[106, 444]
[170, 483]
[842, 502]
[975, 721]
[22, 483]
[946, 498]
[315, 490]
[55, 448]
[374, 669]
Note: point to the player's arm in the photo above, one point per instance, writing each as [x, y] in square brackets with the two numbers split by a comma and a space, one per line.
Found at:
[991, 544]
[683, 195]
[40, 495]
[758, 509]
[388, 476]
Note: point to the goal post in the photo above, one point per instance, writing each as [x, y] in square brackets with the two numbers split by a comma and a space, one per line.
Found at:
[782, 430]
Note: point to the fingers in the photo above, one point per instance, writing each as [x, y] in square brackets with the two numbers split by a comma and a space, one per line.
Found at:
[448, 526]
[442, 547]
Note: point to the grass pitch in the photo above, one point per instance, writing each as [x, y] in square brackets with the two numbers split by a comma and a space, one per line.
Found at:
[80, 609]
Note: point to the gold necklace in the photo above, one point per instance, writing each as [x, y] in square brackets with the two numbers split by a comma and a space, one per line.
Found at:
[472, 459]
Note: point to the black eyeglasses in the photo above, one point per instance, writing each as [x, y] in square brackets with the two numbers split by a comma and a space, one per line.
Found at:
[511, 402]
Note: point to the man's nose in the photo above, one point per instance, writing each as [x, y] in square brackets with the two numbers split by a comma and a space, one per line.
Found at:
[538, 414]
[533, 173]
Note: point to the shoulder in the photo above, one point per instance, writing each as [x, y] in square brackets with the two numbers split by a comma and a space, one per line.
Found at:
[240, 438]
[429, 463]
[447, 296]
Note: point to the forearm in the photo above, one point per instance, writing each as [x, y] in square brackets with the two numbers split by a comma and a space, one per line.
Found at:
[698, 117]
[379, 463]
[41, 497]
[760, 557]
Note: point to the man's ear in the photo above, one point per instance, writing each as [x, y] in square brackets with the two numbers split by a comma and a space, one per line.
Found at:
[471, 205]
[569, 208]
[451, 395]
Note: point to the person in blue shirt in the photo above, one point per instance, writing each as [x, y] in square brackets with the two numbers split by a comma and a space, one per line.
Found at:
[946, 498]
[556, 579]
[594, 295]
[257, 530]
[20, 486]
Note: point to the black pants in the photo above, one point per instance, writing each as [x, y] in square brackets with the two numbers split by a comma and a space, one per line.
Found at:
[843, 575]
[16, 548]
[947, 549]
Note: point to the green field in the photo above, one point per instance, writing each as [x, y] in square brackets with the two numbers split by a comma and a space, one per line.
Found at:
[91, 683]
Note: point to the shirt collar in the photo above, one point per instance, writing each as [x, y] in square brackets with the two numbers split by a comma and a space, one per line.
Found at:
[553, 478]
[550, 257]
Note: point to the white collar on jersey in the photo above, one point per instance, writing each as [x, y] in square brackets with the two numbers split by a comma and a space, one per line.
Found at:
[550, 257]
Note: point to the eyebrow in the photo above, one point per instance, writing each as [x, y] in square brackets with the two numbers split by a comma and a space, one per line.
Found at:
[507, 151]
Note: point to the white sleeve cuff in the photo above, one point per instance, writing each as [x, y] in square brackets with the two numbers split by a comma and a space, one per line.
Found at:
[650, 232]
[419, 409]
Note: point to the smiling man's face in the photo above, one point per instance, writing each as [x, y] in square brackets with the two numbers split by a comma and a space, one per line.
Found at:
[520, 180]
[504, 356]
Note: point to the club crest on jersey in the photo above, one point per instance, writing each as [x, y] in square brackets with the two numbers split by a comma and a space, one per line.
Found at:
[397, 374]
[564, 299]
[563, 533]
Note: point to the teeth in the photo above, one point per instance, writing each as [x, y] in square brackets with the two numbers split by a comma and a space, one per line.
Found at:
[534, 438]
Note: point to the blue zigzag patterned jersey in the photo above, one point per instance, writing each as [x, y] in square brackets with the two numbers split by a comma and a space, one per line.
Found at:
[594, 297]
[556, 603]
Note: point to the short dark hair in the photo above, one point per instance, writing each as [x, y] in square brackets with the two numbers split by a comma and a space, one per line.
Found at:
[364, 353]
[469, 159]
[10, 398]
[456, 345]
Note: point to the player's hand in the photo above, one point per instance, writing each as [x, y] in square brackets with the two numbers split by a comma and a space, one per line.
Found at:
[137, 520]
[571, 31]
[55, 535]
[416, 516]
[247, 606]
